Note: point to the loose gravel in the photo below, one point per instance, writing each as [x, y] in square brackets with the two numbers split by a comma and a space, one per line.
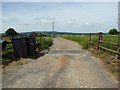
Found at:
[65, 66]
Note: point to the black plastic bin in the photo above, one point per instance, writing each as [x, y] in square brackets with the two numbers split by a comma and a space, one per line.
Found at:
[31, 46]
[20, 46]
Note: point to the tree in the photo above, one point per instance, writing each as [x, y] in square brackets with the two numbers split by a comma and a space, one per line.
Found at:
[11, 32]
[113, 31]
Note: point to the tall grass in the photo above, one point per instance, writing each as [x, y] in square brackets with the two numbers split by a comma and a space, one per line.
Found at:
[111, 39]
[83, 40]
[46, 41]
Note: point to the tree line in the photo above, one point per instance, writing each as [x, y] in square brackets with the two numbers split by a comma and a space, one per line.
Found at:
[13, 32]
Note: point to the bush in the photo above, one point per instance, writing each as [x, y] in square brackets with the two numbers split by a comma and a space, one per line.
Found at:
[47, 42]
[11, 32]
[113, 31]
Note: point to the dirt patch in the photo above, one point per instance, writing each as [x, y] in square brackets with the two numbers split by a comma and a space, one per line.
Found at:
[64, 44]
[112, 64]
[16, 63]
[64, 60]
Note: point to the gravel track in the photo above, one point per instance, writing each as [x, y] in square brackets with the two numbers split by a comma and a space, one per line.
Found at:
[65, 66]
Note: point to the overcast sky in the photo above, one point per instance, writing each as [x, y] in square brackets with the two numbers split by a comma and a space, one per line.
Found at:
[68, 16]
[60, 0]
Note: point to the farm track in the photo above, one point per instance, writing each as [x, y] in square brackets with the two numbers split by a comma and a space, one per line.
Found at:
[65, 66]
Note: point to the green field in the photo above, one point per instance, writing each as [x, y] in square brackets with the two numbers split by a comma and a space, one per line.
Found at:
[83, 40]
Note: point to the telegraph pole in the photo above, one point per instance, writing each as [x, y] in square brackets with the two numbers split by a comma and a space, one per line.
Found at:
[53, 27]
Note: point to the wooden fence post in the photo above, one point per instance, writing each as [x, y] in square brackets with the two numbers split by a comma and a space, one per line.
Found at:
[117, 55]
[118, 50]
[34, 35]
[99, 39]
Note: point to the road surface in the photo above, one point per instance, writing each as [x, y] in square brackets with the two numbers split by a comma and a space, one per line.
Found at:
[65, 66]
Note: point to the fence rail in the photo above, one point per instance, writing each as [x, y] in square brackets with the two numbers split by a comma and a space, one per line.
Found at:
[111, 43]
[101, 41]
[116, 52]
